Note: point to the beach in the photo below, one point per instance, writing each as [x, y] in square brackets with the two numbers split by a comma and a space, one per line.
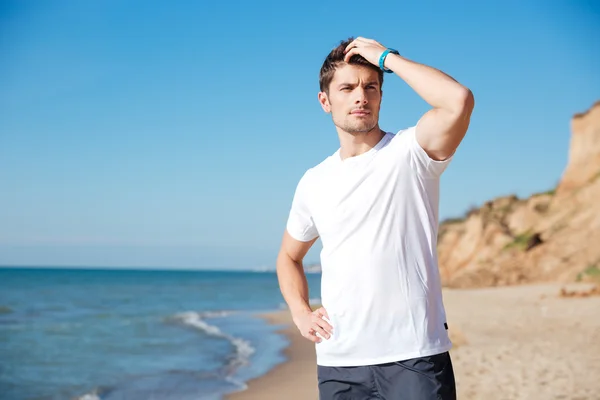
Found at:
[516, 342]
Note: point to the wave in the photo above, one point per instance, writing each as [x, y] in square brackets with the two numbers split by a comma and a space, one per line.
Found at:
[240, 357]
[89, 396]
[243, 348]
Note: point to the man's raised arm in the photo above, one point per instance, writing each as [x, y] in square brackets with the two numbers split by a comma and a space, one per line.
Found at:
[440, 130]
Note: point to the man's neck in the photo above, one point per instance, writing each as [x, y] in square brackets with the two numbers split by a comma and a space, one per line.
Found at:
[352, 145]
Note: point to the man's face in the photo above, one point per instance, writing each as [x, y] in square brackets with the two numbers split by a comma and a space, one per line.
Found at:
[354, 99]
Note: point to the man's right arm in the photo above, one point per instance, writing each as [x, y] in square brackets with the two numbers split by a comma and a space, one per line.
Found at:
[294, 288]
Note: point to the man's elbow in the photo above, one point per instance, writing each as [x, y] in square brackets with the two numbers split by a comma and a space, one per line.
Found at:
[285, 261]
[464, 102]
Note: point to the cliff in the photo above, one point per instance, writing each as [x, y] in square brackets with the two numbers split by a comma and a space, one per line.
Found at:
[552, 236]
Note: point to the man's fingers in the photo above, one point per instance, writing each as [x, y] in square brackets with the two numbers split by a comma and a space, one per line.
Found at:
[320, 330]
[325, 325]
[322, 311]
[351, 45]
[365, 41]
[319, 326]
[321, 322]
[349, 54]
[312, 337]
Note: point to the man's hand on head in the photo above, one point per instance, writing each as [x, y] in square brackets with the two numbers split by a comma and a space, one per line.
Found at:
[310, 323]
[369, 49]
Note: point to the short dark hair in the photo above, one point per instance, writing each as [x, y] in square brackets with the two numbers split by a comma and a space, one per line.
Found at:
[336, 58]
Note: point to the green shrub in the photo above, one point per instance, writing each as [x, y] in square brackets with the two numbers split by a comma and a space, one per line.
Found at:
[520, 241]
[591, 272]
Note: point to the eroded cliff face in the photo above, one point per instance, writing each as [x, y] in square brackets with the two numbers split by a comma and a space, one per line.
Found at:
[584, 151]
[553, 236]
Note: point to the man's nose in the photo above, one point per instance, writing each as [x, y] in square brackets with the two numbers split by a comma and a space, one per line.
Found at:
[361, 96]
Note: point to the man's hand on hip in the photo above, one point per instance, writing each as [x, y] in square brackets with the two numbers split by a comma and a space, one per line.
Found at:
[310, 323]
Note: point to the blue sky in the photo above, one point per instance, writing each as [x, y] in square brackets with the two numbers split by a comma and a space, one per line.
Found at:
[152, 134]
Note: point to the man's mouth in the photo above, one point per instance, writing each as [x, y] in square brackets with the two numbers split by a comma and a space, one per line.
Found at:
[360, 112]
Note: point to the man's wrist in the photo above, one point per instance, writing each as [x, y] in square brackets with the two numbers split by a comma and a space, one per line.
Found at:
[384, 57]
[300, 311]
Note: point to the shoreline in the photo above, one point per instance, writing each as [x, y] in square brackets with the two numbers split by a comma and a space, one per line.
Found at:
[298, 372]
[512, 342]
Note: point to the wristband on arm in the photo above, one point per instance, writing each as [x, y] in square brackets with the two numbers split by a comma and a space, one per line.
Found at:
[382, 59]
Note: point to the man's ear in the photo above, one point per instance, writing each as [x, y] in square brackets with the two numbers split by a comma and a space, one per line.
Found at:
[324, 101]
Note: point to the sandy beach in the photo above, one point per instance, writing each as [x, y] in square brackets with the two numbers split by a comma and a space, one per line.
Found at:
[519, 342]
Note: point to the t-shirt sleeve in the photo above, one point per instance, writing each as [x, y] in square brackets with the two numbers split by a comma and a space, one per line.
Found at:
[300, 223]
[419, 159]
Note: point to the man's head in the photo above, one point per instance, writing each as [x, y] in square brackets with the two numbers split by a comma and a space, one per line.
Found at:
[351, 91]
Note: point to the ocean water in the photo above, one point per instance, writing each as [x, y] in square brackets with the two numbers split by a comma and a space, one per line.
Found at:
[151, 335]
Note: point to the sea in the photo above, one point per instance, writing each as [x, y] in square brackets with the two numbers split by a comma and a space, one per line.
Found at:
[111, 334]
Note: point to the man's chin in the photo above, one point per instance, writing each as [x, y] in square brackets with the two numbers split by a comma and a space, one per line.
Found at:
[356, 127]
[359, 130]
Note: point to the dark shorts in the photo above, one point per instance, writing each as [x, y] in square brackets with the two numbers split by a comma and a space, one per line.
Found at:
[423, 378]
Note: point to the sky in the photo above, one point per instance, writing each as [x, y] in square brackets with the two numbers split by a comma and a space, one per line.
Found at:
[172, 135]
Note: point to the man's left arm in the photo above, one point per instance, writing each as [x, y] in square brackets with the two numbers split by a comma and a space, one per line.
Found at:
[441, 129]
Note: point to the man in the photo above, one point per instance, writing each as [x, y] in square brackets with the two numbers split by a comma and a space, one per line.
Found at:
[382, 330]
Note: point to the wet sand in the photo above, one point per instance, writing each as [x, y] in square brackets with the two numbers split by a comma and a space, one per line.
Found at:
[294, 379]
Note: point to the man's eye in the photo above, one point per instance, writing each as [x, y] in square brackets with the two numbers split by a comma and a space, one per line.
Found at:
[371, 87]
[345, 88]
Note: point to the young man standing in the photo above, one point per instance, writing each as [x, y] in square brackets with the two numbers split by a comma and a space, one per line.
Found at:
[382, 330]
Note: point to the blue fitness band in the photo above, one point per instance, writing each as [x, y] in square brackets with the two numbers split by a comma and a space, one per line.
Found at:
[383, 56]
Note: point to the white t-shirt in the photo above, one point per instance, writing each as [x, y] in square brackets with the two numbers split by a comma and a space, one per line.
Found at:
[377, 217]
